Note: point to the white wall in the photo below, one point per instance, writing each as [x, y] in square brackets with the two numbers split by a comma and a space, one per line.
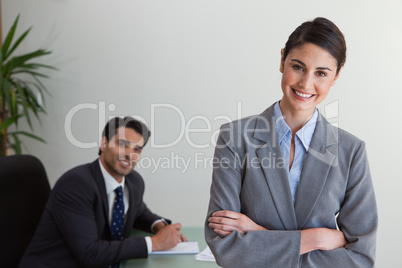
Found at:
[208, 58]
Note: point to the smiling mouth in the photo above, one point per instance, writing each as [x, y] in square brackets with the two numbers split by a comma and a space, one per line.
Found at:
[125, 163]
[298, 93]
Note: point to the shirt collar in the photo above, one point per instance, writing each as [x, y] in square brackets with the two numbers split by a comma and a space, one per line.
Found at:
[282, 128]
[110, 182]
[305, 134]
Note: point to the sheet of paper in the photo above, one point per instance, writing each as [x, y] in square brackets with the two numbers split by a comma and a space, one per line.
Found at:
[181, 248]
[205, 255]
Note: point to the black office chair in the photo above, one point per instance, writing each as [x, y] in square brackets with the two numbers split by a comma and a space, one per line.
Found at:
[24, 189]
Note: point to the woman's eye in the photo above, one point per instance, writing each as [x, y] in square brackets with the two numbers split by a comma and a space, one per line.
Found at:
[297, 68]
[321, 74]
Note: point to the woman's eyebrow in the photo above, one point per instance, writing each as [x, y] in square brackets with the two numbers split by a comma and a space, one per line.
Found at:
[304, 65]
[299, 61]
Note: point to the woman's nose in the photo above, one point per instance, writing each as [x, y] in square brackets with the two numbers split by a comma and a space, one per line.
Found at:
[306, 81]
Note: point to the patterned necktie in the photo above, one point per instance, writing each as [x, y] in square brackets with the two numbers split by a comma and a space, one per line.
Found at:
[117, 224]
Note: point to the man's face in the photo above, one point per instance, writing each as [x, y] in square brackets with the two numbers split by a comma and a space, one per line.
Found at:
[120, 155]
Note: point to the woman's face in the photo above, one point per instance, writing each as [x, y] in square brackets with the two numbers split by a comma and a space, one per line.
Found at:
[308, 73]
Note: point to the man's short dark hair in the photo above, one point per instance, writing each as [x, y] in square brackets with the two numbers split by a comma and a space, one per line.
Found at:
[128, 122]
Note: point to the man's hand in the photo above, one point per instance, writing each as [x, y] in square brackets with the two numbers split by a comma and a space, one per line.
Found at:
[159, 226]
[321, 238]
[167, 237]
[224, 222]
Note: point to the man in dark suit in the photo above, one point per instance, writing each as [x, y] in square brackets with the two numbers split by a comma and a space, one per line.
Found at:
[75, 228]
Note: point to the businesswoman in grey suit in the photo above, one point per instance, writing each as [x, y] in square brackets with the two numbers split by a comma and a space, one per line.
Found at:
[288, 188]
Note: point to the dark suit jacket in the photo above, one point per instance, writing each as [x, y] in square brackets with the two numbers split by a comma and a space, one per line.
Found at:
[335, 190]
[74, 228]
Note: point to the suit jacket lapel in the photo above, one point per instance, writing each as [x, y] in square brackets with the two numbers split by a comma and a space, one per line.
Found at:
[317, 164]
[275, 175]
[130, 217]
[100, 181]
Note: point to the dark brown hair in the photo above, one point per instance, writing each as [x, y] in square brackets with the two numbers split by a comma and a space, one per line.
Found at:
[323, 33]
[128, 122]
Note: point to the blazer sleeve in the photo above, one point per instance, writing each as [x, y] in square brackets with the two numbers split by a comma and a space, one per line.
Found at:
[72, 205]
[145, 219]
[276, 248]
[357, 219]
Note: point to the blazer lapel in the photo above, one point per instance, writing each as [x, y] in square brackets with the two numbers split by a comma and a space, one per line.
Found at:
[317, 164]
[275, 175]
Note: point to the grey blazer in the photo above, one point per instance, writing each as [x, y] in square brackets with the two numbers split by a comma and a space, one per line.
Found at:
[335, 190]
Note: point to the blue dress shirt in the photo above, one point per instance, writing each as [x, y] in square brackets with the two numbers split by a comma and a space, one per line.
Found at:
[302, 142]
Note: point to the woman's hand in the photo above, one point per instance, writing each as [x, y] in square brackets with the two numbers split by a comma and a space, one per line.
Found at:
[321, 238]
[224, 222]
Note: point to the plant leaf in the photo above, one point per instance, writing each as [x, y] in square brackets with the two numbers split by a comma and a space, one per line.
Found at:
[37, 66]
[28, 135]
[42, 86]
[8, 103]
[39, 90]
[9, 37]
[31, 73]
[17, 145]
[14, 105]
[6, 123]
[18, 61]
[24, 103]
[33, 101]
[19, 40]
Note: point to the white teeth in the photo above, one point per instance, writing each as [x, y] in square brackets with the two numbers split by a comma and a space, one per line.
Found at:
[302, 95]
[125, 163]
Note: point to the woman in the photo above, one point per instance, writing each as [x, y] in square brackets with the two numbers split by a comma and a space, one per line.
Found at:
[288, 188]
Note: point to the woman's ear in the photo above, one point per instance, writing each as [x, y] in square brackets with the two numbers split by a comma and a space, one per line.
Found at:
[337, 76]
[281, 67]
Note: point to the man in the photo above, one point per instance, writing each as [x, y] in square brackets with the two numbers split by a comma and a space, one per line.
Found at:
[75, 228]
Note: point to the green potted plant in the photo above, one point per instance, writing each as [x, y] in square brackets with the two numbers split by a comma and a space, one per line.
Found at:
[20, 87]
